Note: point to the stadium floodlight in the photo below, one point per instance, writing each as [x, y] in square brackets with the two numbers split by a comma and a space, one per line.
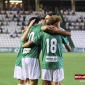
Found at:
[17, 1]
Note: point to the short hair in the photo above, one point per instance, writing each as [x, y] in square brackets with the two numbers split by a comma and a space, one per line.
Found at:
[37, 19]
[42, 18]
[54, 19]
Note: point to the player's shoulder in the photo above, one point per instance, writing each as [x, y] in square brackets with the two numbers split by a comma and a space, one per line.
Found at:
[61, 28]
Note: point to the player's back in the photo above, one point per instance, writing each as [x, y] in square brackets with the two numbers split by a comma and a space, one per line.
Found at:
[35, 49]
[51, 51]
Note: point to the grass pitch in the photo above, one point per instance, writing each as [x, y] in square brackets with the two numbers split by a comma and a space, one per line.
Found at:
[74, 63]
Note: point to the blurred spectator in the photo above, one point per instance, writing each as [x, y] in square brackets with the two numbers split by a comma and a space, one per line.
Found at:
[5, 12]
[2, 24]
[73, 13]
[7, 31]
[68, 13]
[74, 28]
[82, 20]
[81, 17]
[23, 23]
[31, 11]
[69, 24]
[61, 11]
[10, 12]
[23, 12]
[14, 16]
[6, 16]
[68, 29]
[69, 9]
[16, 33]
[24, 17]
[1, 30]
[22, 28]
[19, 14]
[56, 10]
[18, 24]
[18, 20]
[80, 26]
[12, 34]
[77, 20]
[64, 9]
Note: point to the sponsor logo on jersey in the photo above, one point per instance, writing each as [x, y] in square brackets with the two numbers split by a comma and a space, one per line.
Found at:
[26, 50]
[51, 59]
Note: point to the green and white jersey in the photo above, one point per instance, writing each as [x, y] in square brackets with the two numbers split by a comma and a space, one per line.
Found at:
[51, 50]
[35, 49]
[20, 54]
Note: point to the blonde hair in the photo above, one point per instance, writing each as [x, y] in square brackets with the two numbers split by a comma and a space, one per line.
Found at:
[54, 19]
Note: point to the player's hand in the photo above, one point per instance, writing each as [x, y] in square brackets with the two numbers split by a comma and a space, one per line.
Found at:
[47, 27]
[51, 29]
[31, 23]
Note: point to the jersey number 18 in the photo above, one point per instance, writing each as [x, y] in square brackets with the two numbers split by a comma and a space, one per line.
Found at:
[51, 45]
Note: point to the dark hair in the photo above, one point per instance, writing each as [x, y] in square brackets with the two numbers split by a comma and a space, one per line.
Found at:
[37, 19]
[50, 14]
[42, 18]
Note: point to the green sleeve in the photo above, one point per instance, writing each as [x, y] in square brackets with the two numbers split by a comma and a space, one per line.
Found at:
[65, 40]
[38, 38]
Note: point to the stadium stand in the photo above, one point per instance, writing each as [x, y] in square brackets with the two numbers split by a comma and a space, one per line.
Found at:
[6, 41]
[78, 38]
[75, 21]
[11, 26]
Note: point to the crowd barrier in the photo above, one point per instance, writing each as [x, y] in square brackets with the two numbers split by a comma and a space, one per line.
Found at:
[16, 50]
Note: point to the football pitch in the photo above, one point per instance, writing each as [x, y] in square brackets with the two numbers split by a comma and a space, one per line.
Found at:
[74, 63]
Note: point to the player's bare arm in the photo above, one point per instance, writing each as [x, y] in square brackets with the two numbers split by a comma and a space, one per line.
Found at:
[53, 29]
[68, 48]
[25, 36]
[27, 44]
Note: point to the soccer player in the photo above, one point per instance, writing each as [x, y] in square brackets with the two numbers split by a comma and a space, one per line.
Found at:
[60, 30]
[58, 26]
[18, 71]
[52, 63]
[31, 57]
[52, 29]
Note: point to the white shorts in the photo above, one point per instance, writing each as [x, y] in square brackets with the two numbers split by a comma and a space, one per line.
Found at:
[32, 68]
[53, 75]
[19, 73]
